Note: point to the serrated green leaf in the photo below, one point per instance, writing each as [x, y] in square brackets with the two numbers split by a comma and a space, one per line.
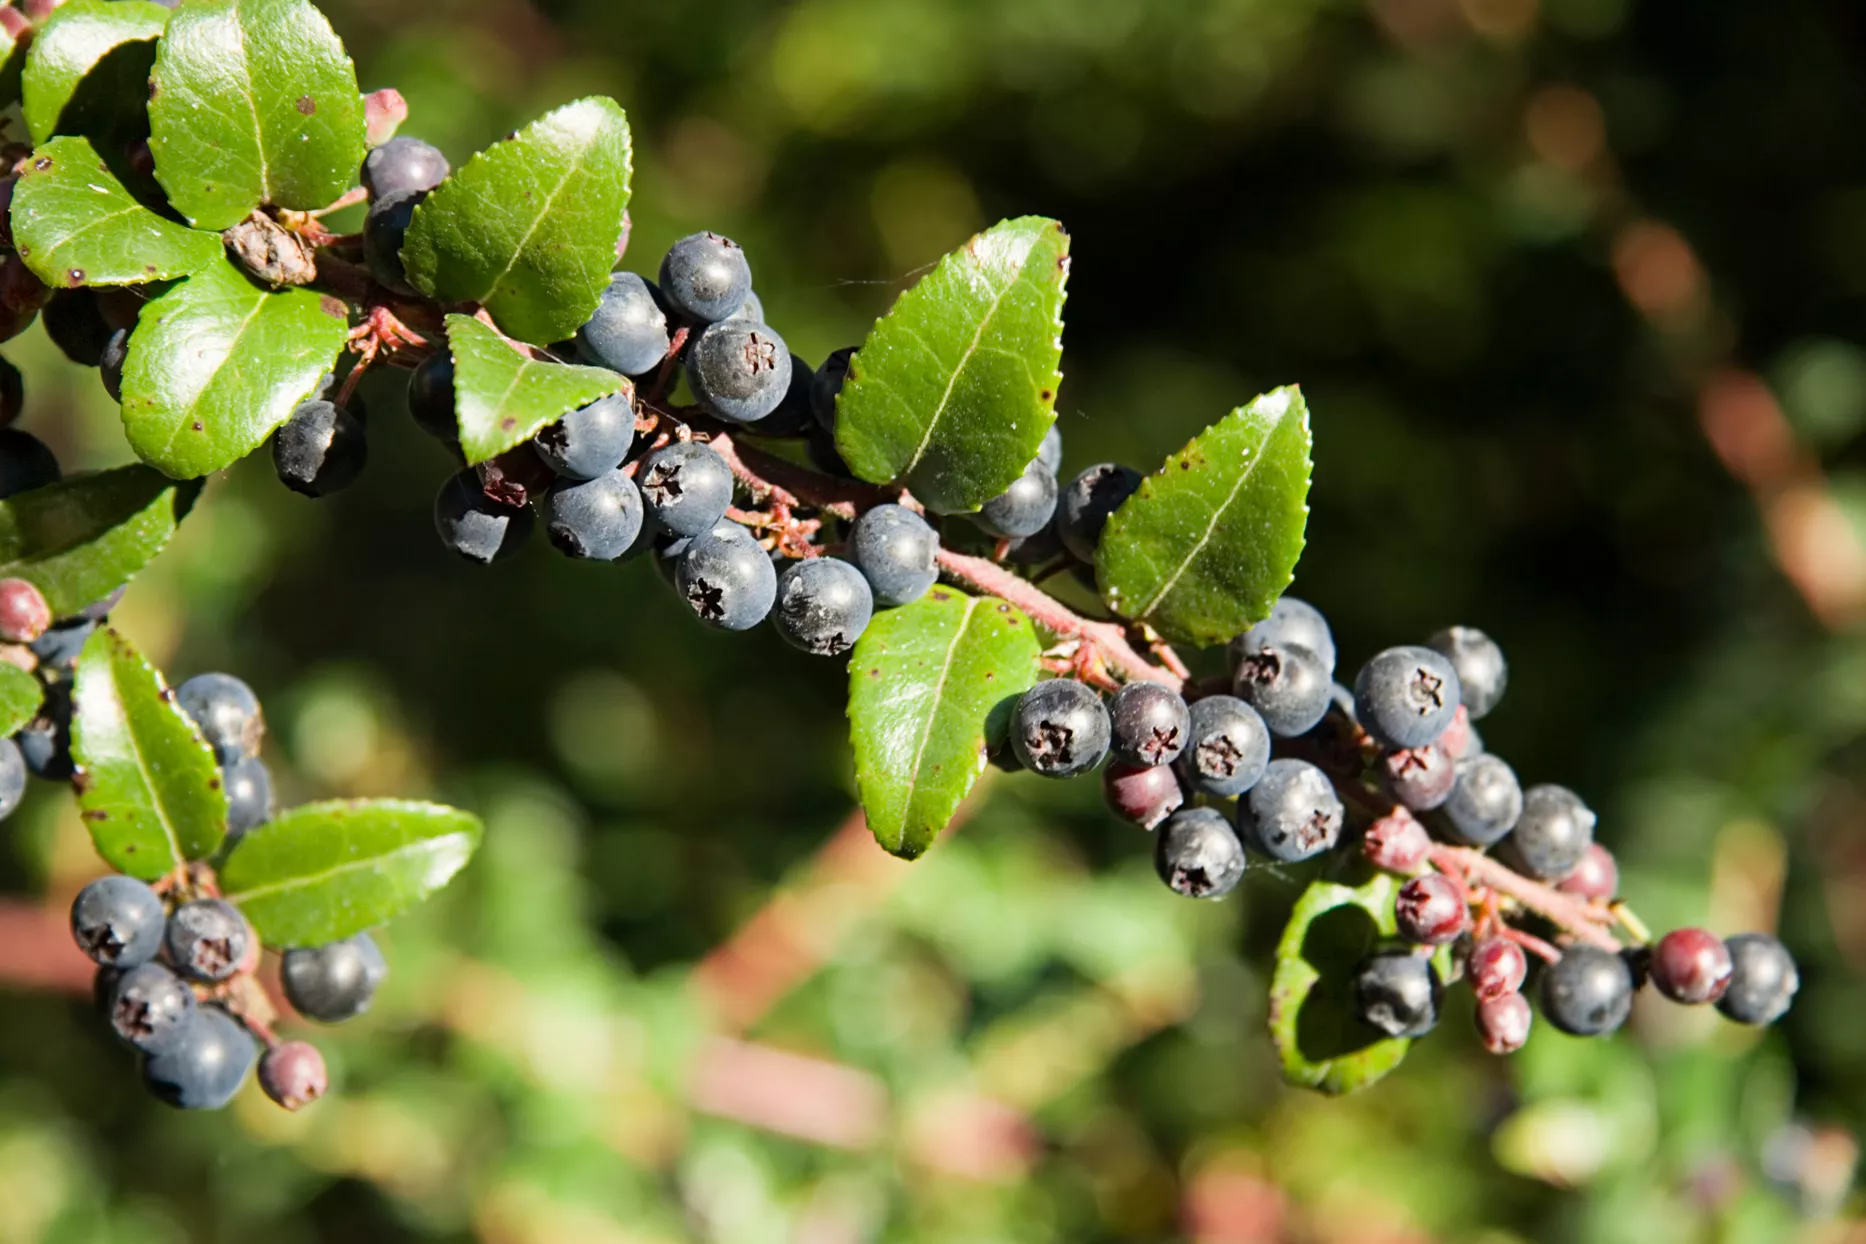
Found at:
[251, 102]
[82, 538]
[75, 224]
[326, 871]
[12, 67]
[503, 397]
[87, 71]
[1322, 1043]
[923, 680]
[20, 697]
[527, 228]
[148, 788]
[953, 390]
[1211, 539]
[217, 362]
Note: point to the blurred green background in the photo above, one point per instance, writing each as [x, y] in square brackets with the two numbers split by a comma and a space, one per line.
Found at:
[1521, 255]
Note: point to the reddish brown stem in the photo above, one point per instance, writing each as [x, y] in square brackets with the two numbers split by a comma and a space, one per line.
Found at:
[1580, 920]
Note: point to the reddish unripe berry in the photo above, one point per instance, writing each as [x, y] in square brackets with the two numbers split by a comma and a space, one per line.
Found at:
[14, 22]
[1497, 966]
[1421, 778]
[292, 1073]
[1503, 1023]
[1431, 910]
[1145, 796]
[1596, 877]
[1691, 966]
[1457, 737]
[1397, 842]
[383, 114]
[24, 615]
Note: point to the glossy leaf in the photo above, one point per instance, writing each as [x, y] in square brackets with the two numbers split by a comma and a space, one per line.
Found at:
[1322, 1043]
[148, 788]
[83, 538]
[87, 71]
[956, 385]
[251, 102]
[75, 224]
[502, 396]
[924, 680]
[325, 871]
[528, 227]
[1211, 539]
[217, 362]
[13, 53]
[20, 697]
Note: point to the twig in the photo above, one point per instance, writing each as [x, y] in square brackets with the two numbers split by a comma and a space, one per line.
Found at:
[1574, 917]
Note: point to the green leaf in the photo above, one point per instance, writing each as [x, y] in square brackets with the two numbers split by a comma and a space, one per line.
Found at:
[82, 538]
[87, 71]
[75, 224]
[528, 227]
[923, 681]
[956, 385]
[1211, 539]
[20, 697]
[502, 397]
[326, 871]
[250, 102]
[148, 788]
[1323, 1044]
[217, 362]
[13, 55]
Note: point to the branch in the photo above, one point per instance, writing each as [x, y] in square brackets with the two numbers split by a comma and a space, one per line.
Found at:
[1579, 919]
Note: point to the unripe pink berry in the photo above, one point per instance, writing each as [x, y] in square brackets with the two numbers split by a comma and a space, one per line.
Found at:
[1503, 1023]
[1497, 966]
[293, 1074]
[1457, 737]
[1431, 910]
[1397, 842]
[24, 615]
[1595, 877]
[1421, 778]
[1146, 796]
[383, 114]
[1691, 966]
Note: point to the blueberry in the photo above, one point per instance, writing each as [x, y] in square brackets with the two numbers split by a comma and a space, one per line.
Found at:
[1060, 728]
[333, 982]
[598, 519]
[1084, 507]
[727, 582]
[1588, 993]
[1292, 813]
[1142, 794]
[1198, 854]
[1485, 801]
[12, 393]
[12, 778]
[753, 308]
[823, 606]
[1503, 1023]
[895, 548]
[45, 741]
[402, 165]
[1150, 724]
[739, 370]
[110, 367]
[1763, 980]
[207, 939]
[1418, 778]
[227, 713]
[1398, 992]
[76, 325]
[25, 463]
[1552, 834]
[1406, 696]
[293, 1074]
[118, 920]
[705, 277]
[826, 386]
[1288, 686]
[1482, 672]
[793, 416]
[24, 615]
[628, 333]
[474, 525]
[1024, 508]
[1430, 909]
[385, 228]
[431, 398]
[249, 797]
[206, 1065]
[591, 440]
[321, 449]
[1050, 452]
[1227, 746]
[1291, 621]
[151, 1008]
[1692, 966]
[685, 487]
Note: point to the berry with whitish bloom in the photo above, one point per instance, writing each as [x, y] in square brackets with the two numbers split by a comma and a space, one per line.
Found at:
[1398, 993]
[1150, 724]
[1588, 993]
[475, 526]
[1692, 966]
[207, 939]
[1552, 834]
[321, 449]
[895, 549]
[1485, 801]
[739, 370]
[1397, 843]
[1288, 686]
[1142, 794]
[402, 165]
[705, 276]
[728, 582]
[118, 921]
[150, 1007]
[591, 440]
[45, 741]
[1503, 1023]
[249, 796]
[1406, 696]
[826, 386]
[1292, 813]
[685, 487]
[1291, 621]
[1084, 506]
[1482, 672]
[1198, 854]
[333, 982]
[823, 606]
[1227, 746]
[227, 713]
[206, 1065]
[628, 333]
[385, 228]
[1763, 980]
[293, 1074]
[597, 519]
[1420, 778]
[1496, 966]
[115, 358]
[1050, 451]
[1024, 508]
[1431, 910]
[1060, 728]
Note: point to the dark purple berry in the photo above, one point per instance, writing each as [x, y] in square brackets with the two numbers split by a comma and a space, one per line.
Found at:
[739, 370]
[705, 277]
[1227, 746]
[628, 333]
[1150, 724]
[321, 449]
[591, 440]
[1553, 833]
[727, 580]
[227, 713]
[118, 921]
[1692, 966]
[401, 165]
[206, 1065]
[1024, 508]
[1198, 854]
[1763, 980]
[896, 549]
[1588, 992]
[207, 939]
[1084, 506]
[1482, 671]
[385, 228]
[1287, 685]
[151, 1008]
[1292, 813]
[1398, 993]
[1406, 696]
[249, 797]
[598, 519]
[475, 526]
[1291, 621]
[1060, 728]
[685, 487]
[25, 463]
[431, 398]
[826, 385]
[1485, 802]
[823, 606]
[333, 982]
